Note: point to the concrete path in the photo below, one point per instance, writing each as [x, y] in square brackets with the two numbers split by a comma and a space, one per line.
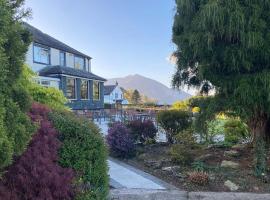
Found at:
[126, 176]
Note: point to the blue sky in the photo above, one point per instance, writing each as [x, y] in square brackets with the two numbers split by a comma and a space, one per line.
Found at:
[122, 36]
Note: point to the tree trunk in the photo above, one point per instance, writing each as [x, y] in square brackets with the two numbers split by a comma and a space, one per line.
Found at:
[259, 125]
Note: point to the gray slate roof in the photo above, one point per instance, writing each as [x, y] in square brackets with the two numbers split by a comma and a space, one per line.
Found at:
[45, 39]
[108, 89]
[55, 70]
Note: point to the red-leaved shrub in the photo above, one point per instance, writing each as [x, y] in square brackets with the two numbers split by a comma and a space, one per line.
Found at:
[36, 175]
[142, 131]
[119, 140]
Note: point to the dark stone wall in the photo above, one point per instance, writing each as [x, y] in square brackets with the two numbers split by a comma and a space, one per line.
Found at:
[80, 104]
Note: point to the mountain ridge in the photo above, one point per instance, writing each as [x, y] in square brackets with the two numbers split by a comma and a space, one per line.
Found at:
[150, 88]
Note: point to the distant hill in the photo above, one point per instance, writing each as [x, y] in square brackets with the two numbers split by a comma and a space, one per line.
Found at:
[150, 88]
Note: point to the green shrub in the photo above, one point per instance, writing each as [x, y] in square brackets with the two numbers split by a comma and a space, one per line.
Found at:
[173, 122]
[83, 150]
[235, 130]
[49, 96]
[186, 138]
[180, 154]
[181, 151]
[214, 128]
[181, 105]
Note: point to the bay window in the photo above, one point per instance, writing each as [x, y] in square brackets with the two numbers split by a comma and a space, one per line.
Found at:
[96, 90]
[84, 89]
[71, 88]
[62, 58]
[79, 63]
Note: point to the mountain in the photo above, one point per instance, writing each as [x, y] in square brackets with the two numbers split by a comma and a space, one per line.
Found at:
[150, 88]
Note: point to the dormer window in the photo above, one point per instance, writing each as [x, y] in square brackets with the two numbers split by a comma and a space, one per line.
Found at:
[62, 58]
[79, 62]
[41, 54]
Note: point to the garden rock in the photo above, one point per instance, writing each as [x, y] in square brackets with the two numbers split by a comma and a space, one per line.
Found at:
[231, 153]
[232, 186]
[229, 164]
[204, 157]
[239, 146]
[155, 164]
[172, 169]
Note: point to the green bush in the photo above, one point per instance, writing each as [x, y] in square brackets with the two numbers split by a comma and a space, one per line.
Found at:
[181, 105]
[49, 96]
[235, 130]
[83, 150]
[180, 154]
[214, 128]
[173, 122]
[181, 151]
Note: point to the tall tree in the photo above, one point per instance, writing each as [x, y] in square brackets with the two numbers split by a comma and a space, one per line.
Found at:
[227, 43]
[15, 126]
[136, 97]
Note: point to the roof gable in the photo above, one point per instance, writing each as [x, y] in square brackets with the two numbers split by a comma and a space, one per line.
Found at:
[45, 39]
[108, 89]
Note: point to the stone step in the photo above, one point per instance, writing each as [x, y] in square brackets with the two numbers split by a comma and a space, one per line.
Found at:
[144, 194]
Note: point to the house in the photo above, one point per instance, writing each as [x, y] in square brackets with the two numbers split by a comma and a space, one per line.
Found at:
[61, 66]
[114, 96]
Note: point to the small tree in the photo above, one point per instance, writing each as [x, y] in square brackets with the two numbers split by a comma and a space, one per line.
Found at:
[173, 122]
[136, 97]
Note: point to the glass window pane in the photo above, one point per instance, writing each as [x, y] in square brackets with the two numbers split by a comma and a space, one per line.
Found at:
[62, 58]
[79, 63]
[96, 90]
[41, 54]
[71, 88]
[84, 89]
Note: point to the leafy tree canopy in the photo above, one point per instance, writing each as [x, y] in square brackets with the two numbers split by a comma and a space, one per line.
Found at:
[226, 44]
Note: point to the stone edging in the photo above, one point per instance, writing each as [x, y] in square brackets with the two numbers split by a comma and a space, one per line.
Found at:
[142, 194]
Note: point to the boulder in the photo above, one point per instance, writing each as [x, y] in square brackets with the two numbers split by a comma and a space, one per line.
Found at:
[231, 153]
[172, 169]
[229, 164]
[155, 164]
[232, 186]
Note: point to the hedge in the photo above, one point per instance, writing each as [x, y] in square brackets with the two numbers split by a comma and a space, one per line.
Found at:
[83, 150]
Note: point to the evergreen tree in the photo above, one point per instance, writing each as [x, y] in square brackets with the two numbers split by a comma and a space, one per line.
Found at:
[136, 97]
[15, 126]
[226, 44]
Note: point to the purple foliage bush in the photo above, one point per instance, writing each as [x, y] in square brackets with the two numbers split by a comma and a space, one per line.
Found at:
[36, 175]
[142, 131]
[120, 141]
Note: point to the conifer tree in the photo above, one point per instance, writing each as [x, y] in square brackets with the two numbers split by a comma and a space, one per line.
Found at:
[136, 97]
[227, 43]
[15, 126]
